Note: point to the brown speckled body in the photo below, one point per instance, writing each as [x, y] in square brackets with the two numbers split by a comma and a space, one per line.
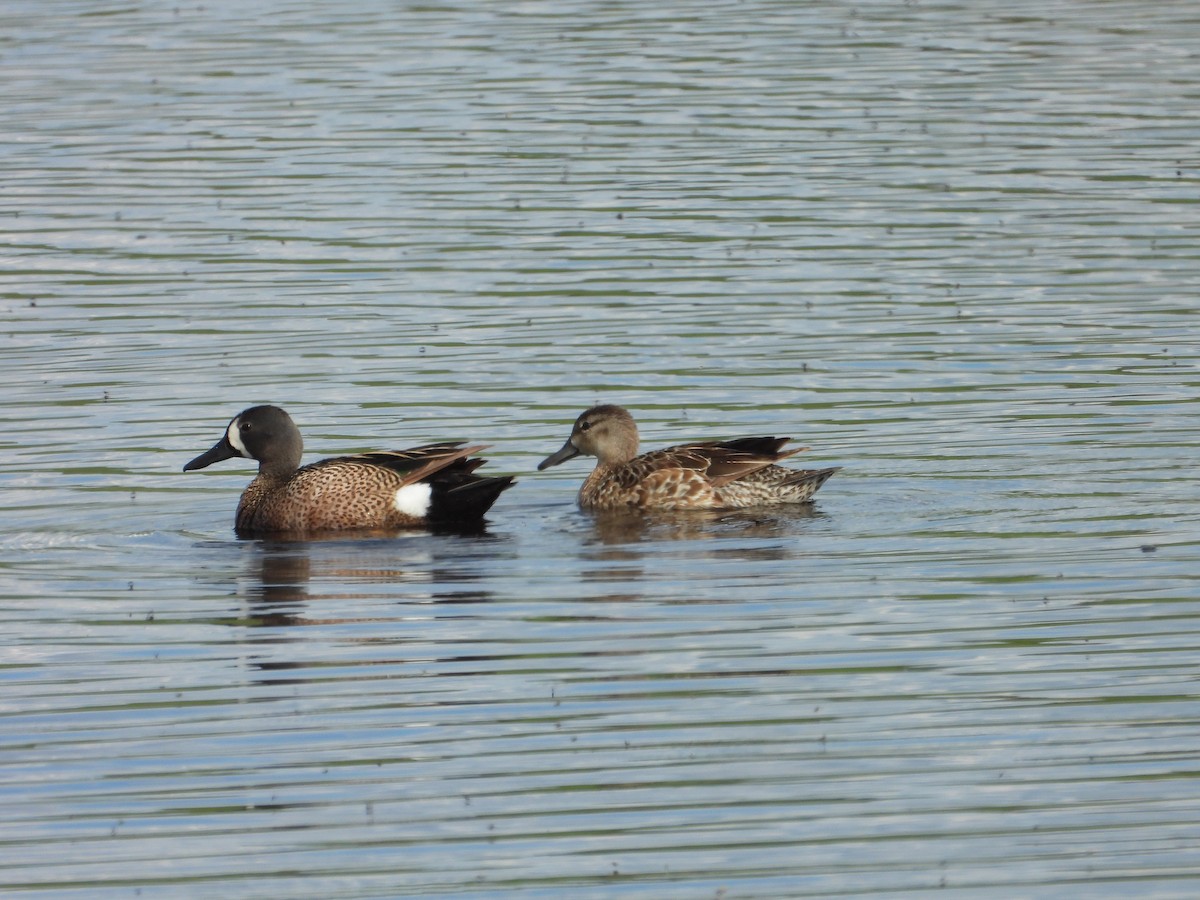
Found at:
[330, 495]
[679, 478]
[732, 474]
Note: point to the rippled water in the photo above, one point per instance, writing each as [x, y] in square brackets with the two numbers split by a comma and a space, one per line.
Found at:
[950, 247]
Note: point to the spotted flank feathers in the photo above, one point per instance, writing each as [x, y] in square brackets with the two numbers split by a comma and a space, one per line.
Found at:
[732, 474]
[388, 490]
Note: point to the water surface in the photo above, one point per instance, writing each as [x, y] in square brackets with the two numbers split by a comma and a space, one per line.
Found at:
[949, 247]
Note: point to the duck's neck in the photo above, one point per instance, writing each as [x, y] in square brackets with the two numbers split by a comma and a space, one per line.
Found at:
[278, 470]
[597, 477]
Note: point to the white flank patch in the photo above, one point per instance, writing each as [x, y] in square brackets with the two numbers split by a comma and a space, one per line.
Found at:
[413, 499]
[235, 439]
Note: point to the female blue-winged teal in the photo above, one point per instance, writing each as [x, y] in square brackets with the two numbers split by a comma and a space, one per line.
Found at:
[388, 490]
[707, 475]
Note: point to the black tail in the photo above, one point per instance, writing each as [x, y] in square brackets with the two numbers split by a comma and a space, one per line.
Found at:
[465, 499]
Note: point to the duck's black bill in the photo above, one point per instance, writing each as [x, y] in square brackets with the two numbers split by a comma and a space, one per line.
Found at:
[568, 451]
[222, 449]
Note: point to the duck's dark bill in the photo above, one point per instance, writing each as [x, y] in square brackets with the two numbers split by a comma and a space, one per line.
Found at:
[222, 449]
[568, 451]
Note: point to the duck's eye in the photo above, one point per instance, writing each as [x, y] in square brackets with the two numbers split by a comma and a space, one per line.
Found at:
[243, 427]
[584, 426]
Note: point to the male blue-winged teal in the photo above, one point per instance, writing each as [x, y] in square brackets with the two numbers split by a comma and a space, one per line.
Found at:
[732, 474]
[383, 491]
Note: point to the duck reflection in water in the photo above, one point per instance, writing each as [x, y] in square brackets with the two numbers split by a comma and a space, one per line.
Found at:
[613, 527]
[285, 578]
[367, 598]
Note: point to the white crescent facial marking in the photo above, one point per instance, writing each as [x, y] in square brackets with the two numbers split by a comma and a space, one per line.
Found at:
[413, 499]
[235, 440]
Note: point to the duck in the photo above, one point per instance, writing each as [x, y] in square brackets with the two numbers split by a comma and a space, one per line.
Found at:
[733, 474]
[387, 490]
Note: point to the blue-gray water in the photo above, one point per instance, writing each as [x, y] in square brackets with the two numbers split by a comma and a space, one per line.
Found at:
[950, 247]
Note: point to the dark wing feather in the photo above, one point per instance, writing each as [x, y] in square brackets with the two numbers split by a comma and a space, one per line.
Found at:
[758, 446]
[718, 461]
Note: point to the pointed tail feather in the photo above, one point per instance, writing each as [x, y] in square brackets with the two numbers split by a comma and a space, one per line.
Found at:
[803, 484]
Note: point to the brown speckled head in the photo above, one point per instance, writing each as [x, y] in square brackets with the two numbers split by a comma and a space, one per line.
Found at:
[606, 432]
